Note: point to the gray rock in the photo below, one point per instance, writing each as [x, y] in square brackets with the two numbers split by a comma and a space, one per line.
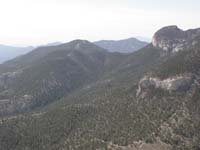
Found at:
[6, 79]
[173, 39]
[178, 83]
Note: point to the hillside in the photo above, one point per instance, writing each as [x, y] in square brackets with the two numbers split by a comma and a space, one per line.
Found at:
[97, 107]
[122, 46]
[144, 100]
[48, 73]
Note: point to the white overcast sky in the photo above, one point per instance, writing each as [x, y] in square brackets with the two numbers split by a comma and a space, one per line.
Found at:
[34, 22]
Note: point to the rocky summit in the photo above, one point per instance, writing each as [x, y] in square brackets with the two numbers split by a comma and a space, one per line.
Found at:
[173, 39]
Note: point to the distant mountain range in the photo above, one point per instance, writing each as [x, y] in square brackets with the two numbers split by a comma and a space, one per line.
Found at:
[53, 44]
[123, 46]
[10, 52]
[142, 38]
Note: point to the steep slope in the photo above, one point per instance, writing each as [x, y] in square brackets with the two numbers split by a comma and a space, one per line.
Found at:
[134, 106]
[10, 52]
[123, 46]
[176, 81]
[47, 73]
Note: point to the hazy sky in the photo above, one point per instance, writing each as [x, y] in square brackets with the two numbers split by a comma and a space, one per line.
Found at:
[33, 22]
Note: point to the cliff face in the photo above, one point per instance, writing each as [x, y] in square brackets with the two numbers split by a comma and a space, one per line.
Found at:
[175, 81]
[178, 83]
[176, 69]
[173, 39]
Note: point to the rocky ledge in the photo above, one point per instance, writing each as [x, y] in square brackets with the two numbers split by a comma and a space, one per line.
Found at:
[178, 83]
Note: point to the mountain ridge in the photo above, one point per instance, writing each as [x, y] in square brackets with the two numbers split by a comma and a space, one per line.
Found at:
[124, 46]
[28, 79]
[10, 52]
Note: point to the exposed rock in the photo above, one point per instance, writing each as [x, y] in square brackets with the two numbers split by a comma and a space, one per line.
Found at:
[178, 83]
[10, 105]
[7, 78]
[173, 39]
[141, 145]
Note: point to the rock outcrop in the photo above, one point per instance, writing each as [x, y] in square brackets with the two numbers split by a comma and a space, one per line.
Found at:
[178, 83]
[6, 79]
[141, 145]
[173, 39]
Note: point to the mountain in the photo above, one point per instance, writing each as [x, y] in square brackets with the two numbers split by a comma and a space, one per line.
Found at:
[48, 73]
[123, 46]
[148, 99]
[10, 52]
[142, 38]
[173, 39]
[53, 44]
[129, 45]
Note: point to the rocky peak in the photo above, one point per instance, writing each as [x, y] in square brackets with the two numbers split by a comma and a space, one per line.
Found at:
[173, 39]
[83, 46]
[77, 44]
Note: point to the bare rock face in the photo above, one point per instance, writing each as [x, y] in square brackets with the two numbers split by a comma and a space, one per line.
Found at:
[10, 105]
[8, 102]
[141, 145]
[173, 39]
[7, 78]
[178, 83]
